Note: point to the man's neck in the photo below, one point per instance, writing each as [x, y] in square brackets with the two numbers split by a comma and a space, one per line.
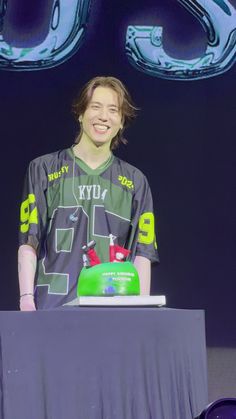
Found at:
[91, 154]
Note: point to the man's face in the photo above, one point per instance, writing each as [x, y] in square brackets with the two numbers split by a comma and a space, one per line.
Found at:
[102, 119]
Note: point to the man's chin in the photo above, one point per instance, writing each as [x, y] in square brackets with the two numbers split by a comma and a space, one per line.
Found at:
[100, 143]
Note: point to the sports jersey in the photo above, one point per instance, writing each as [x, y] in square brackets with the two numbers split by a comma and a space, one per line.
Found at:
[66, 204]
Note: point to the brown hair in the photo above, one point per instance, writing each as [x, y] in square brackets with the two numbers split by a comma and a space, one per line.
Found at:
[128, 110]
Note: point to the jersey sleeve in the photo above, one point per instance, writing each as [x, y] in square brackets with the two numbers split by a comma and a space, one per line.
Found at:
[143, 222]
[33, 208]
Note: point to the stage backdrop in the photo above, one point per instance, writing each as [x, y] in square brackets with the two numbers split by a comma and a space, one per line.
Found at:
[177, 58]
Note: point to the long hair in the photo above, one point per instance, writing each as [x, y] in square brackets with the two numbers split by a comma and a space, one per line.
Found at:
[126, 105]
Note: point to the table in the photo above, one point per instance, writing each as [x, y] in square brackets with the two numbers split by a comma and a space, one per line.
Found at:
[103, 363]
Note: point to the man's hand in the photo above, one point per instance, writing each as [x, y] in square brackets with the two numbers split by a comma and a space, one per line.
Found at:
[27, 303]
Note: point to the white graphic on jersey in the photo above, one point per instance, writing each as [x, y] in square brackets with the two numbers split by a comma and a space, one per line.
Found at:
[108, 212]
[48, 280]
[58, 245]
[65, 275]
[88, 192]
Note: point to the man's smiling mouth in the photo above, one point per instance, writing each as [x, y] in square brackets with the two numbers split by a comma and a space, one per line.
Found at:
[102, 128]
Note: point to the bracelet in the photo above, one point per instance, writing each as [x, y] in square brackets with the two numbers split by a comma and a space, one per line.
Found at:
[27, 293]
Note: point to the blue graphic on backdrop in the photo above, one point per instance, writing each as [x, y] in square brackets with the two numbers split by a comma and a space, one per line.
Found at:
[67, 25]
[145, 51]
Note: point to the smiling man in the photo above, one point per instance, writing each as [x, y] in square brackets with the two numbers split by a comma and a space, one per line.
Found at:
[100, 123]
[80, 194]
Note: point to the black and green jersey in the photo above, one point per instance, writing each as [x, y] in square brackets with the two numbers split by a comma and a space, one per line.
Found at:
[66, 204]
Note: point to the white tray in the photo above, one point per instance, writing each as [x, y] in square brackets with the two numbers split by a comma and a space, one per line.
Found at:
[132, 300]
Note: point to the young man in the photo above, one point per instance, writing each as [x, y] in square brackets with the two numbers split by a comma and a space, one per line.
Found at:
[80, 194]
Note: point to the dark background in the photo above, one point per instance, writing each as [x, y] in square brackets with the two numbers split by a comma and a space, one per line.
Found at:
[183, 140]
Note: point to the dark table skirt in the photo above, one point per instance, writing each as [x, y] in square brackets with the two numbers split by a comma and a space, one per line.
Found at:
[103, 363]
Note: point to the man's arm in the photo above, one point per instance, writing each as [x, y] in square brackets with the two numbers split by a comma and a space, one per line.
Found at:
[143, 266]
[27, 261]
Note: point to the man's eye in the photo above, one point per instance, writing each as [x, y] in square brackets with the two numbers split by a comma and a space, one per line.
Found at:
[113, 110]
[95, 107]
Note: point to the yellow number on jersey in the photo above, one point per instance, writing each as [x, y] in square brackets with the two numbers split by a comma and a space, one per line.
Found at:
[146, 228]
[28, 216]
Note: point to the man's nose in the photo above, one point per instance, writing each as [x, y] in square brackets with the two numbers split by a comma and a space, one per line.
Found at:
[103, 115]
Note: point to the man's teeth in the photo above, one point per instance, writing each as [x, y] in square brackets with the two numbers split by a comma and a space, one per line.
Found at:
[101, 127]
